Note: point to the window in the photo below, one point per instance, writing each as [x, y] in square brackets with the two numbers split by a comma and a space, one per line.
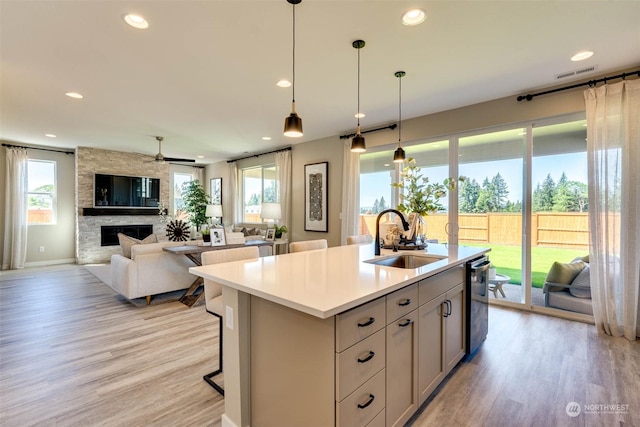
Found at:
[258, 185]
[178, 180]
[41, 178]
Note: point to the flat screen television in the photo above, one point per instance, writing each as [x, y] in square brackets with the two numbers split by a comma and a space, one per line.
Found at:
[119, 191]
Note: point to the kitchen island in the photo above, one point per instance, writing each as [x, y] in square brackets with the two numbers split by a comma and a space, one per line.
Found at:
[326, 337]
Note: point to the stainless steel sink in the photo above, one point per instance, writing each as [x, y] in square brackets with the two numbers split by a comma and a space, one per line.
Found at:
[405, 260]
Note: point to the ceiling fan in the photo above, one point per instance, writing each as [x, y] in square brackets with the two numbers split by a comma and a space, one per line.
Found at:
[161, 158]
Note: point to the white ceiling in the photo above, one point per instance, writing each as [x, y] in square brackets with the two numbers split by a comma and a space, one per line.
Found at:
[203, 75]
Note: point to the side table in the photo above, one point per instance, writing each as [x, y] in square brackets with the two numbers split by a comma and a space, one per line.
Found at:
[283, 244]
[495, 284]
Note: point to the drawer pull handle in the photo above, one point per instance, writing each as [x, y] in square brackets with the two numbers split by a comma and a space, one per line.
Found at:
[366, 359]
[367, 323]
[368, 402]
[407, 322]
[404, 303]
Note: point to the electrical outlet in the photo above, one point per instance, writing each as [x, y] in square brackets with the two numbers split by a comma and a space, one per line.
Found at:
[41, 249]
[229, 317]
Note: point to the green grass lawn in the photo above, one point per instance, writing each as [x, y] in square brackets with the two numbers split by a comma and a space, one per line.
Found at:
[508, 260]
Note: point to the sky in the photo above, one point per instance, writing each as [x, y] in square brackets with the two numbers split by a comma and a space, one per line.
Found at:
[373, 186]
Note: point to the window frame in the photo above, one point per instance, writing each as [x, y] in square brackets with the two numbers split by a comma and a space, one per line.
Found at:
[243, 195]
[52, 194]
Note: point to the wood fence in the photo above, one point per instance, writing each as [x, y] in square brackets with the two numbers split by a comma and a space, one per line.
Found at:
[549, 229]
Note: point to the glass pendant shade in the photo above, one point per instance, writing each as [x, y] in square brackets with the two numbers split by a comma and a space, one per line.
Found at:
[398, 155]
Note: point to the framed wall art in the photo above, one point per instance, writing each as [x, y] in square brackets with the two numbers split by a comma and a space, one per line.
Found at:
[216, 191]
[316, 196]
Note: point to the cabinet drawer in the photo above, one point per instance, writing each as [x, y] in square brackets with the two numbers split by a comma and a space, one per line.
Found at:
[362, 406]
[358, 363]
[401, 302]
[379, 420]
[358, 323]
[436, 285]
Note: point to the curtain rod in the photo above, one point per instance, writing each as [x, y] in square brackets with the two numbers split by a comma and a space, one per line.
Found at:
[351, 135]
[260, 154]
[622, 76]
[36, 148]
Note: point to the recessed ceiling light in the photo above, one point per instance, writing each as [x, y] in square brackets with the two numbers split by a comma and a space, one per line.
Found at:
[200, 157]
[74, 95]
[360, 115]
[283, 83]
[387, 164]
[414, 17]
[49, 135]
[581, 56]
[266, 138]
[136, 21]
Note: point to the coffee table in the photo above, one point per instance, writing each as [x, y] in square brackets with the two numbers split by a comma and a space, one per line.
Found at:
[495, 284]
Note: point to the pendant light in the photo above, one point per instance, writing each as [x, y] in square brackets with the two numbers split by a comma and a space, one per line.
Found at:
[398, 155]
[357, 143]
[293, 123]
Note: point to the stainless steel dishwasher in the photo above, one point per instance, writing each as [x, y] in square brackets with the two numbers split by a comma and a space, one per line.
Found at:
[477, 303]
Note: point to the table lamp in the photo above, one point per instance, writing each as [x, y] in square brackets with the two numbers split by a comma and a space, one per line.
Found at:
[270, 212]
[214, 211]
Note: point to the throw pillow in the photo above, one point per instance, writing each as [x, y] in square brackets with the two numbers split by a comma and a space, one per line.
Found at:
[563, 273]
[126, 242]
[581, 285]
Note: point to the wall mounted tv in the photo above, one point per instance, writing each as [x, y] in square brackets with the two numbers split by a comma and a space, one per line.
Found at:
[126, 191]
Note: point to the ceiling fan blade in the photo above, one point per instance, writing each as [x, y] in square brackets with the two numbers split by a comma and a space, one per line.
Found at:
[174, 159]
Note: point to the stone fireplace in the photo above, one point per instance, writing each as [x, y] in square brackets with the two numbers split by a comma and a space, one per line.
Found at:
[89, 221]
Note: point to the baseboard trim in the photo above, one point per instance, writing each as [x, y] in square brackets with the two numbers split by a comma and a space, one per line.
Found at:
[226, 422]
[50, 262]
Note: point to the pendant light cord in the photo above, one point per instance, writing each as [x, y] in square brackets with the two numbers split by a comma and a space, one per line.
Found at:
[293, 82]
[399, 109]
[358, 90]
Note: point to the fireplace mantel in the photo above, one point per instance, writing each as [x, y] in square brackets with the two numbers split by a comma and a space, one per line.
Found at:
[119, 211]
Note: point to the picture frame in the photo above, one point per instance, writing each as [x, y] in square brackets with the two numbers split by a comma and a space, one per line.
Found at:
[215, 191]
[316, 197]
[271, 234]
[218, 237]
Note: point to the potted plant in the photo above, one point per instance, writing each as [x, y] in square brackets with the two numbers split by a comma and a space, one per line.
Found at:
[418, 196]
[280, 230]
[195, 201]
[206, 235]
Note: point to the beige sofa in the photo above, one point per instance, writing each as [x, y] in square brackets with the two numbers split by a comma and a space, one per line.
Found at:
[150, 271]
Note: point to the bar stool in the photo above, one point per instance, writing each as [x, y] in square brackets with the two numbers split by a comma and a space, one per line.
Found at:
[213, 295]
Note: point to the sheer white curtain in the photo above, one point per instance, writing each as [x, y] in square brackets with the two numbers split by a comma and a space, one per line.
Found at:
[350, 193]
[613, 151]
[236, 194]
[283, 176]
[15, 214]
[198, 173]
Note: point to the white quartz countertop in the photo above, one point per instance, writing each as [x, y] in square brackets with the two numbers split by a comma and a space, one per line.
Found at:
[326, 282]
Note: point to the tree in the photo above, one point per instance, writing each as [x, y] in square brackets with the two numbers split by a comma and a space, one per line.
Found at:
[500, 192]
[254, 200]
[469, 192]
[376, 207]
[483, 203]
[543, 195]
[383, 204]
[270, 193]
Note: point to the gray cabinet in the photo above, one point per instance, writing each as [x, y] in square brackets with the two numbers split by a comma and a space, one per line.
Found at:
[441, 328]
[402, 355]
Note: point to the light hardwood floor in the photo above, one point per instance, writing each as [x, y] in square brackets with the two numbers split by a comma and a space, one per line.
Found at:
[73, 353]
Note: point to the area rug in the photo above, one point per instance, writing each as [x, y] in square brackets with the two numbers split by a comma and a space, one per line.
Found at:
[103, 273]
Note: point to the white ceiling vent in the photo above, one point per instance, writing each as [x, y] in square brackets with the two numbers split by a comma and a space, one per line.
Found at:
[576, 72]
